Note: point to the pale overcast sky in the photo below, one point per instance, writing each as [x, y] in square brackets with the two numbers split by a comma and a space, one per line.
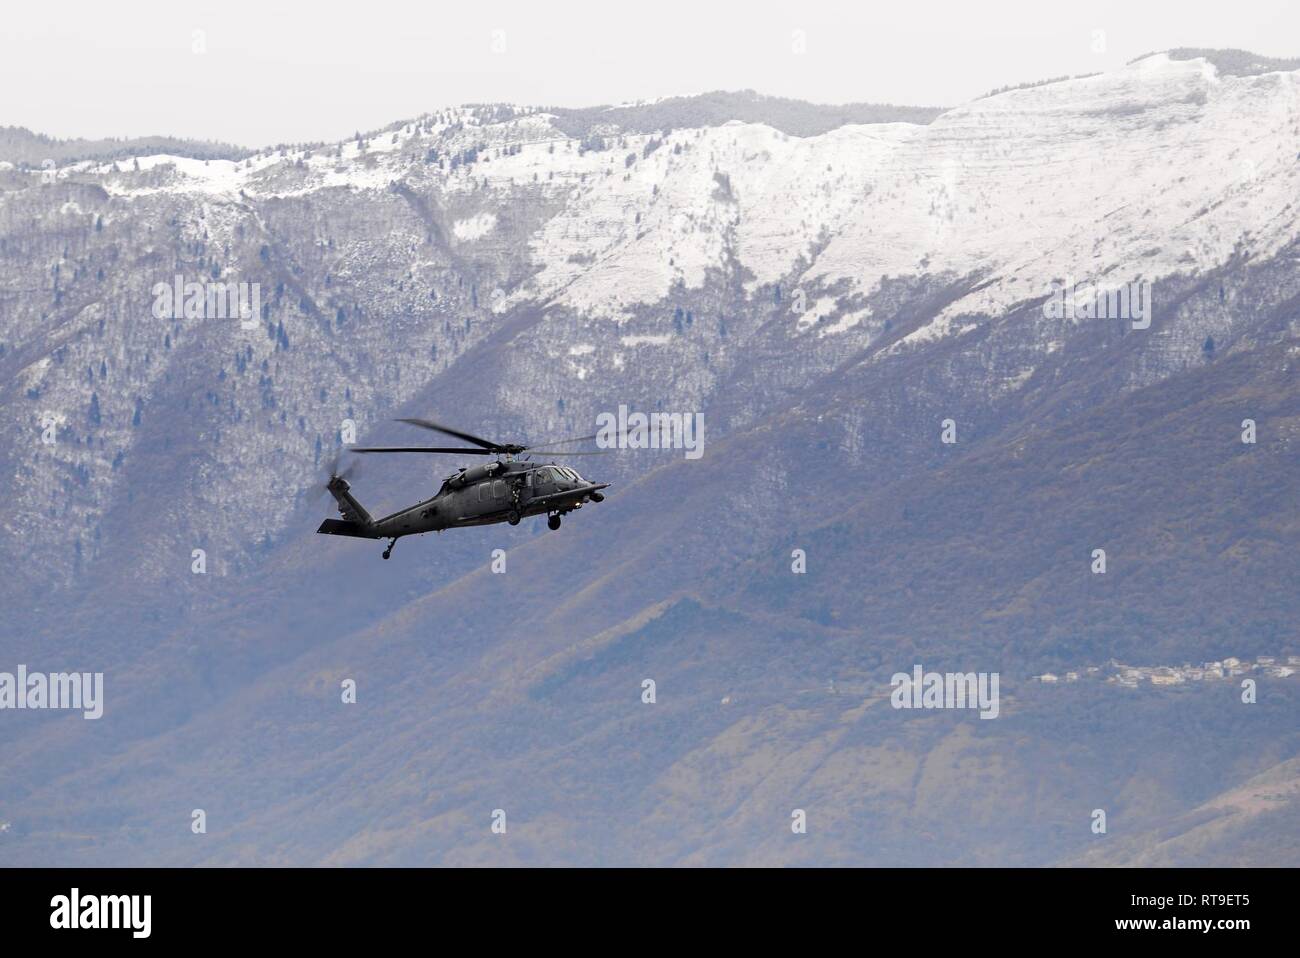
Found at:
[274, 71]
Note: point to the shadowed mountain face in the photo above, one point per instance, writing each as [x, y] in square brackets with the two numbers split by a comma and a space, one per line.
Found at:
[836, 304]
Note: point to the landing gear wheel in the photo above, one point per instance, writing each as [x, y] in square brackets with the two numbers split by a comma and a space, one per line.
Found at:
[389, 550]
[553, 522]
[513, 518]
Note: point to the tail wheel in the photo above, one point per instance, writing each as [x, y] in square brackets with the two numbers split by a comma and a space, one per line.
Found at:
[553, 522]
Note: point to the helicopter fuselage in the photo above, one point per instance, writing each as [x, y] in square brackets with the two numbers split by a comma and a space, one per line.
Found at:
[499, 491]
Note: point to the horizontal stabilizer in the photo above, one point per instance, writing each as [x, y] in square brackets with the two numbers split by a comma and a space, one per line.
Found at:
[337, 527]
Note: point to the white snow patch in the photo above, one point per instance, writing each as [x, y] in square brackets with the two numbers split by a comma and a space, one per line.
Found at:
[1012, 383]
[987, 187]
[821, 308]
[475, 227]
[845, 322]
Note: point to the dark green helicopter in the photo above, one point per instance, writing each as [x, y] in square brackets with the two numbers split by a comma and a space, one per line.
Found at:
[505, 490]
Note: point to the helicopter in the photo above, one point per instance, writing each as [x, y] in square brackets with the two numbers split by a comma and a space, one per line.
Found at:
[504, 490]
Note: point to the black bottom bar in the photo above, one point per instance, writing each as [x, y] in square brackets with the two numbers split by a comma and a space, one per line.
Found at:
[918, 907]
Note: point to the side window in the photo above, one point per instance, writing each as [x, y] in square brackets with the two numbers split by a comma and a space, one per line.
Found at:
[499, 489]
[483, 491]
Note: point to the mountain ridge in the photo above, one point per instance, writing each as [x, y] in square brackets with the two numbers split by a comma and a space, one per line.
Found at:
[28, 148]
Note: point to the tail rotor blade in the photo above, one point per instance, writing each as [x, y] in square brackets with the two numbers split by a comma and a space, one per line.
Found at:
[351, 469]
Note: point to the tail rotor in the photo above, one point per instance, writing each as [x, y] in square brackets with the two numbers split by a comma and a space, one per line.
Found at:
[349, 470]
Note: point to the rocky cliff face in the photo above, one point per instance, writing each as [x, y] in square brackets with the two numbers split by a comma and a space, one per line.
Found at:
[826, 301]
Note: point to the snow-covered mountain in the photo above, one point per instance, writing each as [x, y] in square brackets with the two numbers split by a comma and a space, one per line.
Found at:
[402, 249]
[826, 301]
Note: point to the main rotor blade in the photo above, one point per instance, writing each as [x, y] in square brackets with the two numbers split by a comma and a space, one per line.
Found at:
[467, 437]
[472, 452]
[601, 452]
[561, 442]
